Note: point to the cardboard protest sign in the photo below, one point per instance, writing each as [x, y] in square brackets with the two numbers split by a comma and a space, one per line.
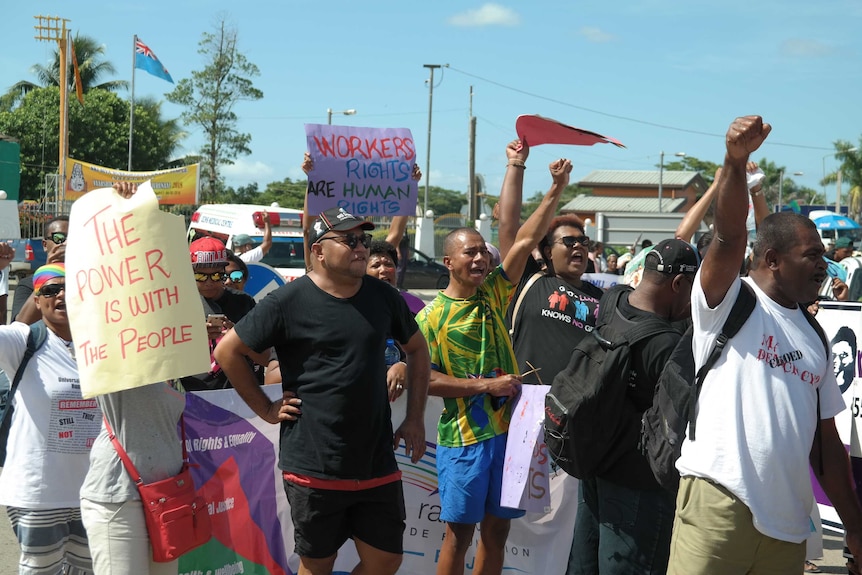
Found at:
[366, 171]
[527, 470]
[134, 310]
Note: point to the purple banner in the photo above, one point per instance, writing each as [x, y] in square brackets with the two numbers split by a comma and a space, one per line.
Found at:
[366, 171]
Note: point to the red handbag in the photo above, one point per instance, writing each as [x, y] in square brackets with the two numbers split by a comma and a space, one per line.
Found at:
[177, 518]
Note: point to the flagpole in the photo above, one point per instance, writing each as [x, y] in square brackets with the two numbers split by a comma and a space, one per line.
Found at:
[132, 106]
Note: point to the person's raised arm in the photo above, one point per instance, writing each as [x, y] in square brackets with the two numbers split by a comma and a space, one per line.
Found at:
[398, 225]
[266, 244]
[727, 250]
[758, 199]
[692, 218]
[536, 226]
[511, 195]
[307, 166]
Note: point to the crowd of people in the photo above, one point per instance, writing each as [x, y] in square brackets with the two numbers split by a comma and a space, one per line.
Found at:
[764, 413]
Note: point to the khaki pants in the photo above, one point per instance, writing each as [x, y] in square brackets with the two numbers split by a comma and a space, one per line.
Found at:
[714, 534]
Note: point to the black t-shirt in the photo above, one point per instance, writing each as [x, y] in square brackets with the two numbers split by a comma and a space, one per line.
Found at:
[554, 316]
[330, 351]
[627, 466]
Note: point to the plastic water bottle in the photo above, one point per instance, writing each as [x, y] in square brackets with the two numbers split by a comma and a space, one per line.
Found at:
[392, 355]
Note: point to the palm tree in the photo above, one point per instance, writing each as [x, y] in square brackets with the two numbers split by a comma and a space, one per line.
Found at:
[91, 65]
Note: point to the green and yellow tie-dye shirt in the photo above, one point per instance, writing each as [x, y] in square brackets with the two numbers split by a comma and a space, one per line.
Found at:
[468, 338]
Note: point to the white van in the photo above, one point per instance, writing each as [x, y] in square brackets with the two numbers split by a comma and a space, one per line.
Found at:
[225, 221]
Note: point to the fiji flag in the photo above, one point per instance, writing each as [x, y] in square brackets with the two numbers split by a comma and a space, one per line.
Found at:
[146, 60]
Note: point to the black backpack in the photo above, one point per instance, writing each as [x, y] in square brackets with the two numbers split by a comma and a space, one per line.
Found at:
[37, 336]
[582, 409]
[663, 426]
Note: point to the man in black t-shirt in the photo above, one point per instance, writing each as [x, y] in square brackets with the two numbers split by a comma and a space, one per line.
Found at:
[329, 329]
[625, 518]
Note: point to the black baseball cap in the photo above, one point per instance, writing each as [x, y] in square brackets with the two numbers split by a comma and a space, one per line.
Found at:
[672, 257]
[337, 219]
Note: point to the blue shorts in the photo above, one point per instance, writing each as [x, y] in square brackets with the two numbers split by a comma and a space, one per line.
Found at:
[470, 480]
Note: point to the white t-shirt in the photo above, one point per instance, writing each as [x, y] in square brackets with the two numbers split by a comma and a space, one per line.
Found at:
[53, 428]
[4, 281]
[252, 255]
[757, 410]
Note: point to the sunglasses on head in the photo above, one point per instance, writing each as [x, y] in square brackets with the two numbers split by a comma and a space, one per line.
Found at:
[215, 276]
[236, 276]
[52, 290]
[572, 241]
[351, 240]
[58, 237]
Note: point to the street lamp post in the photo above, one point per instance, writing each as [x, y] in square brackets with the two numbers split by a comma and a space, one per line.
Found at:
[431, 68]
[661, 175]
[329, 113]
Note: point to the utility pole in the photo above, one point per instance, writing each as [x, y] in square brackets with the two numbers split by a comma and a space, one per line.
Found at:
[431, 68]
[473, 198]
[53, 29]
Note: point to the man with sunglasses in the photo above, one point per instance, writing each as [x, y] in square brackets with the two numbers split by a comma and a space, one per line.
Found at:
[329, 329]
[223, 305]
[55, 233]
[48, 446]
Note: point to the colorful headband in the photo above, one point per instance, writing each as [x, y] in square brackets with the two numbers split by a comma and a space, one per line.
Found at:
[45, 273]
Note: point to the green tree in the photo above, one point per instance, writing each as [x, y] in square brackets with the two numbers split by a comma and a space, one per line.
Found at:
[209, 98]
[571, 191]
[98, 133]
[91, 65]
[851, 175]
[442, 201]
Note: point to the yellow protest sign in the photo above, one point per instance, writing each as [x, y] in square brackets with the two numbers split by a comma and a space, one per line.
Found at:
[134, 310]
[173, 186]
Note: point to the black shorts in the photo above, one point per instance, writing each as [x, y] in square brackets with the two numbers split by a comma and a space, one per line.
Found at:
[323, 519]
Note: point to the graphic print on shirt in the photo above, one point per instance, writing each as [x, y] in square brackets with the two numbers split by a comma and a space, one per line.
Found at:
[776, 358]
[75, 422]
[560, 303]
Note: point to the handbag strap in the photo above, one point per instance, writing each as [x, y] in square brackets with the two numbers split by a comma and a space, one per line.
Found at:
[127, 461]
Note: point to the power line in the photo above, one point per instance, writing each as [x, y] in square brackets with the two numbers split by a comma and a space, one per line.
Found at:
[617, 116]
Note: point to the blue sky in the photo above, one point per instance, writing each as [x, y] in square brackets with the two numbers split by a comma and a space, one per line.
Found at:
[655, 74]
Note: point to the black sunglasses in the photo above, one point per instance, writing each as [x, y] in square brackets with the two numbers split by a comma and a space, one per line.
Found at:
[52, 290]
[215, 276]
[235, 276]
[351, 240]
[57, 237]
[572, 241]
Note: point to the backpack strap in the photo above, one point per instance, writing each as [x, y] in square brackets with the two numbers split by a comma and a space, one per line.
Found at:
[818, 436]
[527, 285]
[739, 314]
[35, 339]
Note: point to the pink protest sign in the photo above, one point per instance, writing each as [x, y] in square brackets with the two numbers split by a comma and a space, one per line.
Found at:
[537, 130]
[366, 171]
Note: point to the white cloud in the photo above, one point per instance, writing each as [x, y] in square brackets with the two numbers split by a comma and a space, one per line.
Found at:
[487, 15]
[243, 172]
[596, 35]
[804, 48]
